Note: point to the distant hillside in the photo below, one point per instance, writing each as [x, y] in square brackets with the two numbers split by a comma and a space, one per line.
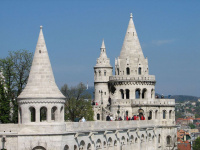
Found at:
[178, 98]
[183, 98]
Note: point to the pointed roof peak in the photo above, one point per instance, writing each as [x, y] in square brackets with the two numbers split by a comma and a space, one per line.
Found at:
[103, 44]
[131, 15]
[41, 82]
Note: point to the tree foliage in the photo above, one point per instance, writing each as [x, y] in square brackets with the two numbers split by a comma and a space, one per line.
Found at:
[15, 68]
[78, 102]
[196, 145]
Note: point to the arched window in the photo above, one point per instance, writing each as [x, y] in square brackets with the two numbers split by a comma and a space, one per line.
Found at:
[98, 116]
[156, 114]
[122, 94]
[159, 138]
[131, 139]
[54, 113]
[144, 93]
[149, 136]
[150, 115]
[127, 93]
[43, 114]
[95, 74]
[168, 140]
[32, 114]
[137, 93]
[123, 140]
[99, 73]
[118, 71]
[39, 148]
[127, 113]
[170, 114]
[66, 147]
[139, 70]
[164, 114]
[128, 71]
[104, 73]
[104, 144]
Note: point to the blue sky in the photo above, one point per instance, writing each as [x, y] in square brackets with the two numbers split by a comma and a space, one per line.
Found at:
[169, 33]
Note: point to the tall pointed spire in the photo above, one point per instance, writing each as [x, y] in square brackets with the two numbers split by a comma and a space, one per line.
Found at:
[103, 60]
[131, 45]
[41, 82]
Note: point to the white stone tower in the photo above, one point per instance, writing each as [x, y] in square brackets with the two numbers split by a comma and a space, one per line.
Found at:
[102, 72]
[41, 101]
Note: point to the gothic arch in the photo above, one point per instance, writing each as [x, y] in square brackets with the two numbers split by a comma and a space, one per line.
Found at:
[54, 114]
[32, 114]
[43, 114]
[39, 148]
[137, 93]
[127, 93]
[98, 143]
[144, 93]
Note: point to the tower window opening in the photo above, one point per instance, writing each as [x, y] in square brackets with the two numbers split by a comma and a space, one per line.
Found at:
[99, 73]
[43, 114]
[98, 116]
[168, 140]
[20, 115]
[104, 73]
[139, 70]
[53, 113]
[170, 114]
[40, 51]
[144, 93]
[118, 71]
[137, 93]
[159, 138]
[127, 93]
[156, 114]
[150, 115]
[122, 94]
[32, 114]
[164, 114]
[128, 71]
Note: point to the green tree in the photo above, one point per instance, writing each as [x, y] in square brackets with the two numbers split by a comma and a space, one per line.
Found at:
[196, 144]
[15, 68]
[78, 102]
[192, 126]
[4, 104]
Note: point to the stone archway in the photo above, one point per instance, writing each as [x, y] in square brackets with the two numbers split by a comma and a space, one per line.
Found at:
[39, 148]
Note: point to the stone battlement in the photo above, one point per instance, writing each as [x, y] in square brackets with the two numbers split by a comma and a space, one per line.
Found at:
[133, 78]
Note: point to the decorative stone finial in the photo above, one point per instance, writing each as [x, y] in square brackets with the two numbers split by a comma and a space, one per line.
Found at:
[131, 15]
[41, 27]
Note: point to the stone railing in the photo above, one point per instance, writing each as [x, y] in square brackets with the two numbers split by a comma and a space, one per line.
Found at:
[132, 78]
[109, 125]
[141, 102]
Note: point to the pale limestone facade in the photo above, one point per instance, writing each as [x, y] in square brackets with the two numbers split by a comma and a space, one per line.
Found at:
[41, 108]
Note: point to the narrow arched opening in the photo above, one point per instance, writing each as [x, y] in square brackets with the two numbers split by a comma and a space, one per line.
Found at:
[164, 114]
[32, 114]
[122, 94]
[98, 144]
[139, 70]
[170, 114]
[128, 71]
[137, 93]
[20, 115]
[43, 114]
[156, 114]
[82, 145]
[54, 113]
[127, 93]
[168, 140]
[150, 115]
[66, 147]
[117, 71]
[98, 116]
[89, 147]
[159, 138]
[144, 93]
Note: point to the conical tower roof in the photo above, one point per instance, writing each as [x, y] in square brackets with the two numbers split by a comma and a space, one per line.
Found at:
[131, 46]
[41, 82]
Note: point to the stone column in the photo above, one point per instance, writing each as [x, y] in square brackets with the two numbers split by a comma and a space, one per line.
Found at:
[37, 111]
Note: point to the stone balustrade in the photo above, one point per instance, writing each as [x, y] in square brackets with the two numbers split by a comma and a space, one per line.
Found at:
[132, 78]
[153, 102]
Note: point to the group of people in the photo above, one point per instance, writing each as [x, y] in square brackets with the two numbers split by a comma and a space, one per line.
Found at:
[135, 117]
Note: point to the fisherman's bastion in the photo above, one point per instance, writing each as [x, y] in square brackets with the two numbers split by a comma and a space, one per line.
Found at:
[131, 91]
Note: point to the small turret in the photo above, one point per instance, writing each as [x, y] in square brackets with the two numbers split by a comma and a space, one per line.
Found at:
[102, 72]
